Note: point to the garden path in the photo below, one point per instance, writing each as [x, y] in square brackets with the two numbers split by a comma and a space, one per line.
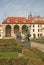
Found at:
[38, 46]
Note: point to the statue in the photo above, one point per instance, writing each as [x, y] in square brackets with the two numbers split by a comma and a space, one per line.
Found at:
[26, 40]
[27, 33]
[18, 36]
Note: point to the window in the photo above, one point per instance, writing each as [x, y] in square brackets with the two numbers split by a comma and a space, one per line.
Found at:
[34, 36]
[0, 35]
[38, 35]
[39, 25]
[33, 30]
[33, 25]
[39, 30]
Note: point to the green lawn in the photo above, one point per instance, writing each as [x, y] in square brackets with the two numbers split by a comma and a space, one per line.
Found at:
[8, 54]
[31, 56]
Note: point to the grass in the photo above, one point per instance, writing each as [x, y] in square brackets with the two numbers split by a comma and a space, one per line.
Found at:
[31, 56]
[8, 54]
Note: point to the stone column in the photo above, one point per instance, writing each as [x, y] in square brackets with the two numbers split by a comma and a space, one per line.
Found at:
[23, 36]
[4, 31]
[12, 32]
[20, 28]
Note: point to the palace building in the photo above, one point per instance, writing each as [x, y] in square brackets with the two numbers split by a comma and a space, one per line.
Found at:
[12, 25]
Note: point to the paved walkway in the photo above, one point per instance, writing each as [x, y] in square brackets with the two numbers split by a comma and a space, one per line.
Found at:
[38, 46]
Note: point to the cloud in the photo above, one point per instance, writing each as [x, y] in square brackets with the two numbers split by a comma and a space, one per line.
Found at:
[20, 8]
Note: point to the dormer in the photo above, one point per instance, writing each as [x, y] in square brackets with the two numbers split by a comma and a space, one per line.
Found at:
[16, 21]
[24, 21]
[8, 20]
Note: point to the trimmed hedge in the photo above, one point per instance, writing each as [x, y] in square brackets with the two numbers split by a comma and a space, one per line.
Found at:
[10, 45]
[40, 40]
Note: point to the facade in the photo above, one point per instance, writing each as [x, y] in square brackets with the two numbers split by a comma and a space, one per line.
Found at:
[1, 32]
[12, 25]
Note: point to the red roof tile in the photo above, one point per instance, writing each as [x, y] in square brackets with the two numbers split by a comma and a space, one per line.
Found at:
[39, 22]
[21, 20]
[14, 19]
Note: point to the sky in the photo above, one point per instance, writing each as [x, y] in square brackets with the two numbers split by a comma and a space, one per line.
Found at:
[21, 8]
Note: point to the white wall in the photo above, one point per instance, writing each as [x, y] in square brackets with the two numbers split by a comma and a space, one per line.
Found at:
[35, 30]
[43, 30]
[1, 32]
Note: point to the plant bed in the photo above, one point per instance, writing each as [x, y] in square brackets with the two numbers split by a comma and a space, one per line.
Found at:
[40, 40]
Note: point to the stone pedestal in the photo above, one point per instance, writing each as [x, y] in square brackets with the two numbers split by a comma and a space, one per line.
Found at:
[27, 44]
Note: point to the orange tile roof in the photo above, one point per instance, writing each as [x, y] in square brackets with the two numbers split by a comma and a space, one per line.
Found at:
[12, 20]
[39, 22]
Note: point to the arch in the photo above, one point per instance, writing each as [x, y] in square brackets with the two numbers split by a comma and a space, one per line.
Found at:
[16, 29]
[24, 29]
[8, 31]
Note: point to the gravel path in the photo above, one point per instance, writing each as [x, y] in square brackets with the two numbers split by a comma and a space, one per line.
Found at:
[38, 46]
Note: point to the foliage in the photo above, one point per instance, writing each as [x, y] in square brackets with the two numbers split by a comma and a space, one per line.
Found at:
[33, 57]
[13, 61]
[38, 53]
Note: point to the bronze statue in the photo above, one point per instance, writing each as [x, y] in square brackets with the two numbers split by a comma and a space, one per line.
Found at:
[26, 40]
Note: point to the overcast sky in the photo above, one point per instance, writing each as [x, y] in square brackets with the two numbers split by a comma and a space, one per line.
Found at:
[20, 8]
